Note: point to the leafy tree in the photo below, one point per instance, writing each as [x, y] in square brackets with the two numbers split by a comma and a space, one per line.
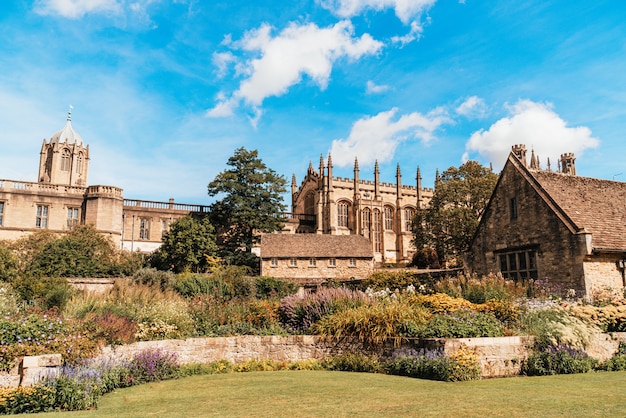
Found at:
[450, 221]
[8, 264]
[252, 203]
[186, 246]
[84, 252]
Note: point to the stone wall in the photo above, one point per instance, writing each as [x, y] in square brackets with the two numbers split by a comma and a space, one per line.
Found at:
[498, 357]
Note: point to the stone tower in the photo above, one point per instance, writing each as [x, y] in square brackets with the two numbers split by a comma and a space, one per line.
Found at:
[65, 159]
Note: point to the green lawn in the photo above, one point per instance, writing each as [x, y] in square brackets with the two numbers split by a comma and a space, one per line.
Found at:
[336, 394]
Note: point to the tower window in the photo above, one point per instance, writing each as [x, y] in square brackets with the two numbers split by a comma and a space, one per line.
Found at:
[65, 160]
[1, 212]
[377, 231]
[409, 214]
[79, 163]
[41, 220]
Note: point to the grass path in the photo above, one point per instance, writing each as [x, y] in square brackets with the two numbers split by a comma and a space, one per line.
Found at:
[340, 394]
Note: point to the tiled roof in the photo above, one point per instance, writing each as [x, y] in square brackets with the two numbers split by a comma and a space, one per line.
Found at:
[598, 206]
[315, 245]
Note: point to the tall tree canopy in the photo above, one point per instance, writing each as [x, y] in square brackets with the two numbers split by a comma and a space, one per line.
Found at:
[450, 221]
[251, 202]
[186, 246]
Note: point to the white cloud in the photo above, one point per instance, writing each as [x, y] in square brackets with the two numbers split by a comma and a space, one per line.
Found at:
[414, 34]
[538, 127]
[222, 60]
[376, 137]
[296, 51]
[373, 88]
[405, 10]
[74, 9]
[472, 108]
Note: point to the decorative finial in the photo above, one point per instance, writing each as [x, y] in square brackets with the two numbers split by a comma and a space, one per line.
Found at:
[69, 113]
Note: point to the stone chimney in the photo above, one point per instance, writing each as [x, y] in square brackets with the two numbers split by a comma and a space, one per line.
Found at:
[568, 165]
[520, 152]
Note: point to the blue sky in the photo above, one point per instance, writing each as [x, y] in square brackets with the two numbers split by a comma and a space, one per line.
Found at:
[164, 91]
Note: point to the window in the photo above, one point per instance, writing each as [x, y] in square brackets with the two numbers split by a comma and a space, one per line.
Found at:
[352, 262]
[513, 205]
[79, 163]
[274, 262]
[342, 214]
[409, 214]
[366, 222]
[41, 221]
[165, 226]
[72, 218]
[1, 212]
[332, 263]
[377, 231]
[65, 160]
[312, 262]
[388, 218]
[519, 265]
[144, 228]
[293, 262]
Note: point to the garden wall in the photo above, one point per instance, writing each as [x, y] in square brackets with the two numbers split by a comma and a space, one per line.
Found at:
[498, 357]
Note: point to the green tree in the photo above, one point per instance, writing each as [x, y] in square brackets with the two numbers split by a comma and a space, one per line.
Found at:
[251, 202]
[84, 252]
[8, 264]
[186, 246]
[450, 221]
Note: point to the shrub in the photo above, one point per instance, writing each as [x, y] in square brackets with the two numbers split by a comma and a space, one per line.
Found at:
[491, 287]
[26, 399]
[9, 265]
[426, 258]
[395, 280]
[617, 362]
[554, 327]
[435, 365]
[270, 287]
[560, 359]
[353, 362]
[462, 324]
[9, 300]
[46, 293]
[111, 327]
[610, 317]
[374, 324]
[153, 277]
[299, 312]
[153, 366]
[42, 334]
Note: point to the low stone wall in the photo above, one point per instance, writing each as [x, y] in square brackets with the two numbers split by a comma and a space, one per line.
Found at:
[498, 357]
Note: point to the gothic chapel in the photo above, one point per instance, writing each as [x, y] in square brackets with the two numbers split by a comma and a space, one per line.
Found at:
[381, 212]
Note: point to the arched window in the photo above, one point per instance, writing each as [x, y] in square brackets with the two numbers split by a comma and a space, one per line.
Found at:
[309, 203]
[65, 160]
[343, 210]
[79, 163]
[409, 214]
[377, 231]
[366, 222]
[388, 218]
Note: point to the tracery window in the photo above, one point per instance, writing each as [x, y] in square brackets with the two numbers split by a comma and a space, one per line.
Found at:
[388, 218]
[144, 228]
[79, 163]
[366, 222]
[1, 212]
[65, 160]
[409, 214]
[377, 231]
[343, 209]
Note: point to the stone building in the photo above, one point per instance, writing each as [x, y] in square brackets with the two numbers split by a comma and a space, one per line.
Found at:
[311, 259]
[381, 212]
[555, 226]
[62, 199]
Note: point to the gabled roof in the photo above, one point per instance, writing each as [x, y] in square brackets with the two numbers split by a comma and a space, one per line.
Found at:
[595, 205]
[315, 245]
[584, 204]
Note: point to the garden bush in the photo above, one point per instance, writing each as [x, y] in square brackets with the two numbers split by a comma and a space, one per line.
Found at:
[44, 293]
[610, 317]
[153, 365]
[152, 277]
[382, 279]
[462, 324]
[26, 399]
[10, 303]
[617, 362]
[299, 312]
[270, 287]
[560, 359]
[353, 362]
[375, 323]
[435, 365]
[554, 327]
[481, 290]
